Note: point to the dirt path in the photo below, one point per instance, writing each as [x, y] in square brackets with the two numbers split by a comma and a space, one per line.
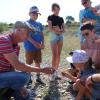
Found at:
[52, 90]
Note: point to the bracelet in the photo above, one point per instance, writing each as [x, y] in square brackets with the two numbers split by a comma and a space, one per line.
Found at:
[92, 80]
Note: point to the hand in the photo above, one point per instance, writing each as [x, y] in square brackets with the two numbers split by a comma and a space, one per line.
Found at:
[88, 81]
[57, 30]
[97, 41]
[48, 70]
[39, 46]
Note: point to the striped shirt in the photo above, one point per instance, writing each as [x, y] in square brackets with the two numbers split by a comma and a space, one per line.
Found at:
[6, 46]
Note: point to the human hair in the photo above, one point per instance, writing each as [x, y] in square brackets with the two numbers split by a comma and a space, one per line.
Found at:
[55, 5]
[88, 26]
[88, 64]
[71, 64]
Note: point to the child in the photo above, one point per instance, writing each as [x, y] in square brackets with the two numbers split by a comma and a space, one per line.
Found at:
[82, 63]
[56, 27]
[35, 43]
[70, 73]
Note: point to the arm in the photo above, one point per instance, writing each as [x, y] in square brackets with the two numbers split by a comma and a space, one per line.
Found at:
[63, 28]
[69, 75]
[95, 78]
[83, 46]
[43, 40]
[50, 26]
[92, 79]
[13, 60]
[36, 44]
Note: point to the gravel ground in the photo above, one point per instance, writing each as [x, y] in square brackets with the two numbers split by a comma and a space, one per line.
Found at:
[52, 90]
[57, 90]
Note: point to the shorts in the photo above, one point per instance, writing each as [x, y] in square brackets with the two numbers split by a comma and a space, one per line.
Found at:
[56, 38]
[96, 90]
[33, 56]
[97, 30]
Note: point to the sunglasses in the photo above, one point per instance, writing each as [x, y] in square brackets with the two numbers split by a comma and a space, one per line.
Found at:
[84, 3]
[85, 34]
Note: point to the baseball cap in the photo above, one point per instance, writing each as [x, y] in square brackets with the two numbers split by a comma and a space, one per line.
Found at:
[34, 9]
[79, 56]
[21, 24]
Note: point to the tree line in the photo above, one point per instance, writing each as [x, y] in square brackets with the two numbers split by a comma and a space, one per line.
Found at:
[69, 21]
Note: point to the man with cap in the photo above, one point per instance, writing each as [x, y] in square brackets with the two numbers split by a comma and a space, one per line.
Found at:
[33, 49]
[13, 73]
[90, 14]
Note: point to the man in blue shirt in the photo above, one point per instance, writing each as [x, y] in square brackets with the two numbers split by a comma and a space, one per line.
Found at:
[35, 43]
[89, 13]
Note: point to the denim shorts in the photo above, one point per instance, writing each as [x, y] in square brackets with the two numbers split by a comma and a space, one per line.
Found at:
[96, 91]
[56, 38]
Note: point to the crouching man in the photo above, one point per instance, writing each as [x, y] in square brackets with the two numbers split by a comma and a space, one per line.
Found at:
[13, 73]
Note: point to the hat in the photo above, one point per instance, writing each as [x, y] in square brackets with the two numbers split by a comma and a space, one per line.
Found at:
[79, 56]
[20, 24]
[34, 9]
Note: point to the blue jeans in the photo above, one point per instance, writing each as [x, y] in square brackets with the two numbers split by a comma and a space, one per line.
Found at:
[14, 80]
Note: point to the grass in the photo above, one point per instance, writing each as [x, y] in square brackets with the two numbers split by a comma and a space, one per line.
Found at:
[71, 42]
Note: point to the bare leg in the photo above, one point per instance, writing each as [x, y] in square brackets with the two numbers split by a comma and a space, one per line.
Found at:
[59, 48]
[54, 55]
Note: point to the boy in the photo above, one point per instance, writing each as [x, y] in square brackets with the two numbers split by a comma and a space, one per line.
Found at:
[35, 43]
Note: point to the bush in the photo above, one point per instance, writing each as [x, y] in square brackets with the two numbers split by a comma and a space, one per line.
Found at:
[3, 27]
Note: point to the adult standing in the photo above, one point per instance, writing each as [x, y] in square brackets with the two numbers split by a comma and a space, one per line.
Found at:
[91, 15]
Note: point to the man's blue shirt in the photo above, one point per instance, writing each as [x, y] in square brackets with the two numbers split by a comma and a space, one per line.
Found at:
[88, 14]
[37, 36]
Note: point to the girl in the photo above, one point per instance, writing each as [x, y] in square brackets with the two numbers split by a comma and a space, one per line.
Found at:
[56, 27]
[83, 64]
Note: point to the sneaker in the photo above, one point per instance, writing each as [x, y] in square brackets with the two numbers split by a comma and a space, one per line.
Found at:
[55, 76]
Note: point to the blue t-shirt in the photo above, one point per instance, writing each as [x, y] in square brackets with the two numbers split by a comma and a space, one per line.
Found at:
[88, 14]
[86, 73]
[37, 36]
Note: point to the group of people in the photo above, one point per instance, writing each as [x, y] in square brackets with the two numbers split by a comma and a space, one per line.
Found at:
[85, 63]
[85, 68]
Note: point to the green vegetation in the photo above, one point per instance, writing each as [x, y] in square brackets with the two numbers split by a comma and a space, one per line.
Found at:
[3, 27]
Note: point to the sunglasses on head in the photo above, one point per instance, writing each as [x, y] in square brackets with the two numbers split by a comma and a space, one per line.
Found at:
[84, 3]
[86, 34]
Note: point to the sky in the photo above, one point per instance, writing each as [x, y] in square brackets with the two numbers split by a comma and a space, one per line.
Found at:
[14, 10]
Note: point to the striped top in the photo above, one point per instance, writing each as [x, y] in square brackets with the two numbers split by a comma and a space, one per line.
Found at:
[6, 46]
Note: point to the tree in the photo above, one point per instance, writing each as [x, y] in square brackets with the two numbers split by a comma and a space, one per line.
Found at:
[69, 20]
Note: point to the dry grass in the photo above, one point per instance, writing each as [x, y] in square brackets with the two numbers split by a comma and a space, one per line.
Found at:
[71, 42]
